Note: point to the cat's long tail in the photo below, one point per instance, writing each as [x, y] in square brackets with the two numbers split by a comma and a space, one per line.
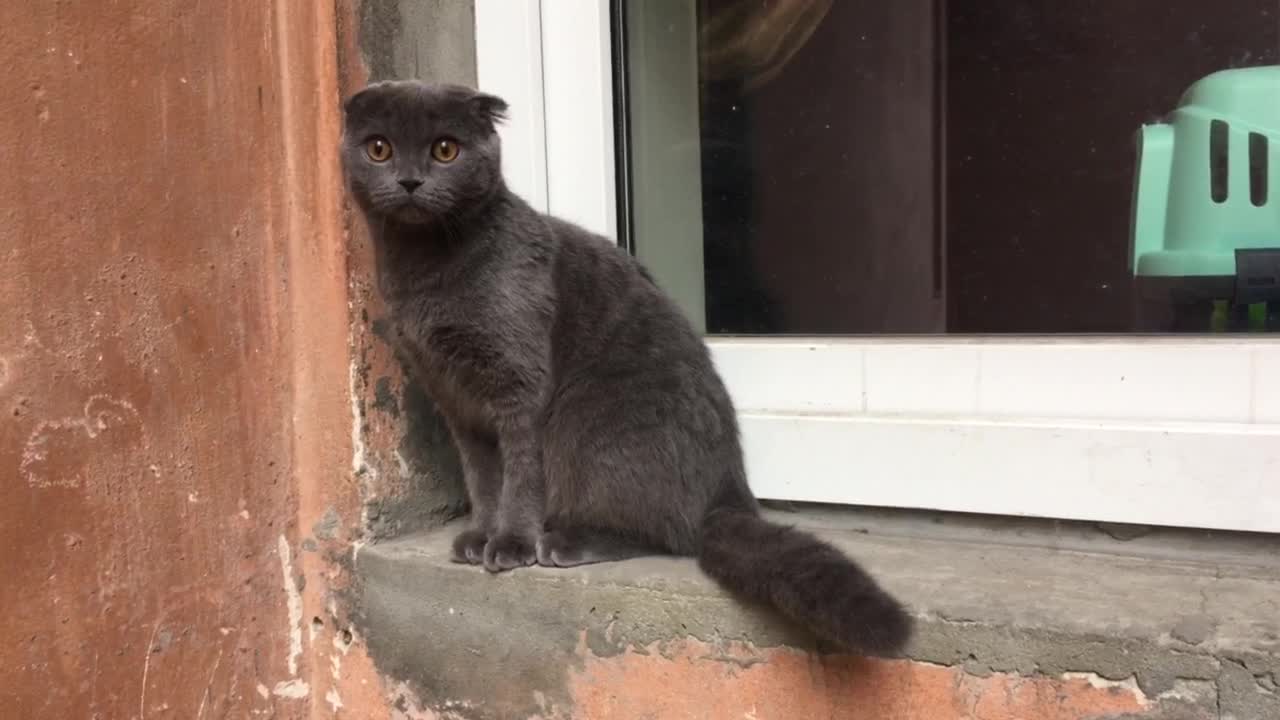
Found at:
[806, 579]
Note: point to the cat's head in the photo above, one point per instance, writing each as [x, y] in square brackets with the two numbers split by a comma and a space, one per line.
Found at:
[420, 152]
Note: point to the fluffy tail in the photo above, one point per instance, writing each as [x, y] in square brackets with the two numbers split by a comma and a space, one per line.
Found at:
[806, 579]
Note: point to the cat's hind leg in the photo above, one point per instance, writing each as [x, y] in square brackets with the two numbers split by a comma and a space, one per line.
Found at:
[581, 546]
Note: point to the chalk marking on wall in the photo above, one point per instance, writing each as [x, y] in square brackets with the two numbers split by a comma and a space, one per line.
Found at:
[208, 684]
[100, 413]
[146, 668]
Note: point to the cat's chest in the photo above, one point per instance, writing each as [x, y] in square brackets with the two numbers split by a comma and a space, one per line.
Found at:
[462, 349]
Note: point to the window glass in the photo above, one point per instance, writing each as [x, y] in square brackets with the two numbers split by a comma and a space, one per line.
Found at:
[955, 166]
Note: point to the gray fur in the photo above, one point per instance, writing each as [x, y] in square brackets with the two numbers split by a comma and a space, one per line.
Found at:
[591, 423]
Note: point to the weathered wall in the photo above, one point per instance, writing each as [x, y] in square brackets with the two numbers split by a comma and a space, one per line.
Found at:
[173, 370]
[400, 473]
[408, 469]
[201, 422]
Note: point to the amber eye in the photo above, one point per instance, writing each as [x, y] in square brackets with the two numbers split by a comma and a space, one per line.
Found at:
[444, 150]
[378, 149]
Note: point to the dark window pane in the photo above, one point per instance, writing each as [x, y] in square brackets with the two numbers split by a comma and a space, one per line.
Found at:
[950, 166]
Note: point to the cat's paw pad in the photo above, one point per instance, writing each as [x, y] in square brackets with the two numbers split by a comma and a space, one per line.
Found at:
[468, 547]
[556, 550]
[507, 551]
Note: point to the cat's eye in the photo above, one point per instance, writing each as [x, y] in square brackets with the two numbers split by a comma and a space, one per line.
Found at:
[444, 150]
[378, 149]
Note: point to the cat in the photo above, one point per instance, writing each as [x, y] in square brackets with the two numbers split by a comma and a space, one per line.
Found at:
[591, 423]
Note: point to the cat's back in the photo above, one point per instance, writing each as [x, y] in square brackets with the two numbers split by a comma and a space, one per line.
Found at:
[611, 312]
[586, 257]
[594, 271]
[625, 355]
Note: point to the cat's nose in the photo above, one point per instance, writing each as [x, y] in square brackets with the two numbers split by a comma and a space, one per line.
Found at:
[410, 185]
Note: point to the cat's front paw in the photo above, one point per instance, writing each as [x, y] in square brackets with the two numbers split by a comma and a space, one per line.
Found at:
[555, 549]
[507, 551]
[468, 547]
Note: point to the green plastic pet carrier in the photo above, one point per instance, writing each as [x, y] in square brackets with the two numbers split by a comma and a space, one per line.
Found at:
[1205, 238]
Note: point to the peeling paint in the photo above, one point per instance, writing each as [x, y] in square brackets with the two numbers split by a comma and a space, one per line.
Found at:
[293, 599]
[360, 466]
[334, 699]
[359, 454]
[293, 689]
[1097, 682]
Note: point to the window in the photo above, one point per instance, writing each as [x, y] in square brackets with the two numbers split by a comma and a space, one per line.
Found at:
[956, 255]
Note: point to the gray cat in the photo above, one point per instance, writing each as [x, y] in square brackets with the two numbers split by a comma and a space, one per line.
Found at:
[590, 421]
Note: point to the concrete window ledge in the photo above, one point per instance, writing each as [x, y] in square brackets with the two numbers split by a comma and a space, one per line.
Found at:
[1017, 619]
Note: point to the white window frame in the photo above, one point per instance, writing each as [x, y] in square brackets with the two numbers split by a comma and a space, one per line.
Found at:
[1179, 431]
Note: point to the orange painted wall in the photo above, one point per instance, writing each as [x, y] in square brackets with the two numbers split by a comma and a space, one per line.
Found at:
[173, 369]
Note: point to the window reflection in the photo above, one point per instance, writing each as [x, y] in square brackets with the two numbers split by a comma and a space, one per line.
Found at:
[957, 166]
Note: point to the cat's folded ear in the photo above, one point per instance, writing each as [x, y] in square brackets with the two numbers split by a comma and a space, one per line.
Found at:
[490, 109]
[354, 104]
[370, 96]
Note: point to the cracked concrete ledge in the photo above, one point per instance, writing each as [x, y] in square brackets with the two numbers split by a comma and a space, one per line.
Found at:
[1186, 633]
